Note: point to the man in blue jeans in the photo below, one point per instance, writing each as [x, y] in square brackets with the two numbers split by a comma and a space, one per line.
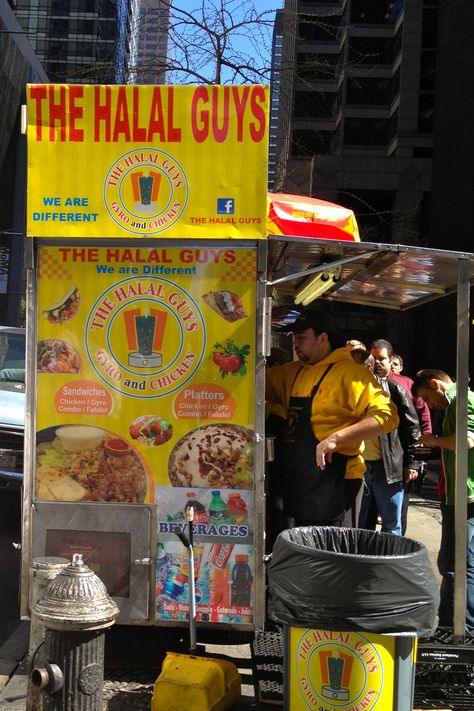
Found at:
[389, 458]
[439, 392]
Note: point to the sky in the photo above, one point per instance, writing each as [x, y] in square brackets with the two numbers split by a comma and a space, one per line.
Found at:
[239, 43]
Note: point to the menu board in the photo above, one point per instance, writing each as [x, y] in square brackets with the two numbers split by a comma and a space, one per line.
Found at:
[145, 394]
[147, 161]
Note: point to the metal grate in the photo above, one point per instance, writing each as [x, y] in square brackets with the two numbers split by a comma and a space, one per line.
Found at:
[268, 644]
[444, 686]
[267, 660]
[444, 675]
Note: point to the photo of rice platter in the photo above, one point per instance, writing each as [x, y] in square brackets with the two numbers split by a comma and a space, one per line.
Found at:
[219, 456]
[84, 463]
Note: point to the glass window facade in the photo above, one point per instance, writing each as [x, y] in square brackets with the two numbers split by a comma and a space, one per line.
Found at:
[90, 40]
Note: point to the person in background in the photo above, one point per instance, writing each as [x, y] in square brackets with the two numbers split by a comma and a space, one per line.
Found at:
[424, 418]
[396, 363]
[423, 411]
[330, 405]
[274, 513]
[389, 457]
[350, 345]
[439, 392]
[362, 357]
[277, 356]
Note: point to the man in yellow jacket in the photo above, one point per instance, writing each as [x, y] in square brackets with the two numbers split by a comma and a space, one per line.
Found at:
[330, 405]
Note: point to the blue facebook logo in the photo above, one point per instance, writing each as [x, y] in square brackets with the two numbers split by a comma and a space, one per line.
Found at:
[225, 206]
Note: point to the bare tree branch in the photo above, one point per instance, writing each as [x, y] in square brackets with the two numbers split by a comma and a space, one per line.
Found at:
[218, 42]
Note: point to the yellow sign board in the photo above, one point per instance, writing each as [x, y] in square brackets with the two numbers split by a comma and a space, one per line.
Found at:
[343, 671]
[145, 394]
[138, 348]
[147, 161]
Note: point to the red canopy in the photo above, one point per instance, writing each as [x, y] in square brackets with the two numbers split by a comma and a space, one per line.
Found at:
[301, 216]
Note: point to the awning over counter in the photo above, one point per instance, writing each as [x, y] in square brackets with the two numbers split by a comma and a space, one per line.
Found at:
[372, 274]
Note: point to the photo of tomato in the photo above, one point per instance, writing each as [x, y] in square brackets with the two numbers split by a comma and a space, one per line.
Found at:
[230, 358]
[151, 430]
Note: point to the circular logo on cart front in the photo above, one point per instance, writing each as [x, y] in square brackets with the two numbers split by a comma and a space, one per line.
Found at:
[146, 191]
[338, 670]
[145, 337]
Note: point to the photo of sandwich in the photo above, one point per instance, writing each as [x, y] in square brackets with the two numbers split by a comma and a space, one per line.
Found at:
[226, 303]
[64, 308]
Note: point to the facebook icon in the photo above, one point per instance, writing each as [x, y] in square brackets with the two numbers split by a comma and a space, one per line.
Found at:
[225, 206]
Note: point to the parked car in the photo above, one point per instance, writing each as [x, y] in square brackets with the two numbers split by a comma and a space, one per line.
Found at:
[12, 406]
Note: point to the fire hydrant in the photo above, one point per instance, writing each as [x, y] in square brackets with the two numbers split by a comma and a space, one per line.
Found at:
[75, 612]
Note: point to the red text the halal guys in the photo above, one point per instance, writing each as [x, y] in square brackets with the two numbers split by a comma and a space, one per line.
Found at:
[129, 114]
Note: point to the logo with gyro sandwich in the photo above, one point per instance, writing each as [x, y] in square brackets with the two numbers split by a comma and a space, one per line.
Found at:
[338, 670]
[145, 337]
[145, 191]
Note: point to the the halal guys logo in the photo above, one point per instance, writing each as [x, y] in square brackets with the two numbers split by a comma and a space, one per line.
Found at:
[145, 337]
[338, 670]
[145, 191]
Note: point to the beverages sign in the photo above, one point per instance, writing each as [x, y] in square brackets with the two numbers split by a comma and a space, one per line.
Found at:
[147, 161]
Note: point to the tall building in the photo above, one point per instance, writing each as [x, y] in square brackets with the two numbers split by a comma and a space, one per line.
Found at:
[75, 41]
[362, 103]
[275, 82]
[18, 65]
[375, 113]
[143, 41]
[97, 41]
[283, 59]
[67, 41]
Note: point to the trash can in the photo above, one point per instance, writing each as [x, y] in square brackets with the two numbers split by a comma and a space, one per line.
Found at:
[352, 604]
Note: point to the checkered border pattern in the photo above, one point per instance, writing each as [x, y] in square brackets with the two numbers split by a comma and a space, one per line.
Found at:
[50, 268]
[245, 268]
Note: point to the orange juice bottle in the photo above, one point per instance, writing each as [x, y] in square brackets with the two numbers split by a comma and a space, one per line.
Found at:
[219, 588]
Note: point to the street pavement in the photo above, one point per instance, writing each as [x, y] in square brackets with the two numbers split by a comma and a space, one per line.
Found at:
[133, 656]
[424, 517]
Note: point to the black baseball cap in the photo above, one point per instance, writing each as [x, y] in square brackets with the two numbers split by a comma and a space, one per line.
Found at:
[318, 321]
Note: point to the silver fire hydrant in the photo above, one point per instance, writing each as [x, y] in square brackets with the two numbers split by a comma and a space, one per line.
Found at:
[43, 571]
[75, 612]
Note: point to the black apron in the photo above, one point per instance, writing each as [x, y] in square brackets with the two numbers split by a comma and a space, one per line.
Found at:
[311, 494]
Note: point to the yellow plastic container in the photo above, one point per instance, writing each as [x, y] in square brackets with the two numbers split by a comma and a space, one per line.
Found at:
[189, 683]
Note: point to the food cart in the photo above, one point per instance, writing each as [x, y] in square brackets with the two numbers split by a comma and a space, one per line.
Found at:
[151, 280]
[146, 213]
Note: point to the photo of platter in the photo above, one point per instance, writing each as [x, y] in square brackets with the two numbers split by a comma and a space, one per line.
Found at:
[85, 463]
[219, 456]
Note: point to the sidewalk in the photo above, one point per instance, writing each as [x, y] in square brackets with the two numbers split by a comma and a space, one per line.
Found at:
[424, 525]
[134, 656]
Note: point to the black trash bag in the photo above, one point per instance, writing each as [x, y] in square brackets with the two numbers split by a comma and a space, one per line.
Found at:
[351, 579]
